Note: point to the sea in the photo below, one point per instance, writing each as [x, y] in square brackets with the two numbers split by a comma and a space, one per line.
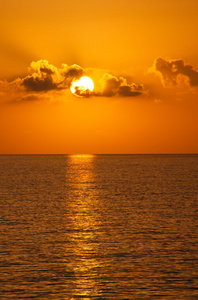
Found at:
[99, 227]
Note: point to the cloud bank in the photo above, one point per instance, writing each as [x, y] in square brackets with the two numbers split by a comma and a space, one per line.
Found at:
[46, 77]
[45, 81]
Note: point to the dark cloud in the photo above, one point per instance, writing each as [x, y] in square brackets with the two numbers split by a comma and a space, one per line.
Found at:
[47, 71]
[83, 92]
[118, 86]
[111, 85]
[38, 84]
[130, 91]
[46, 77]
[175, 72]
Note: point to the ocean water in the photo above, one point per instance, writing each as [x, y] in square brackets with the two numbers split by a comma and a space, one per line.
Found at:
[98, 227]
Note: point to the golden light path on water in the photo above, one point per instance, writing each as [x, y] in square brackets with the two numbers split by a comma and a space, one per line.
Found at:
[86, 225]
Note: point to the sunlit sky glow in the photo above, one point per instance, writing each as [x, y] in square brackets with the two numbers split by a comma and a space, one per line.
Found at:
[141, 56]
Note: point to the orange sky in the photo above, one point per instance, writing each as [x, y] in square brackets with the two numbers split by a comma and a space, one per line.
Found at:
[141, 55]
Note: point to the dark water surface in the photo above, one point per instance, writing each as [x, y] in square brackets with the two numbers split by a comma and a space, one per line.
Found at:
[98, 227]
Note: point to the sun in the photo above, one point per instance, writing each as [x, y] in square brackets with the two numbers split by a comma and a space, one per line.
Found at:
[82, 87]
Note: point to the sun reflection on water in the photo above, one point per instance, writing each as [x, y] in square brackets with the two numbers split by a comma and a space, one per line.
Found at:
[82, 156]
[85, 225]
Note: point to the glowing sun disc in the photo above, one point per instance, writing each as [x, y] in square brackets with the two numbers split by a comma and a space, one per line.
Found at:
[83, 84]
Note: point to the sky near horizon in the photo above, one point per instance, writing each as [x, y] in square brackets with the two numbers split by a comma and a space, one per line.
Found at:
[141, 55]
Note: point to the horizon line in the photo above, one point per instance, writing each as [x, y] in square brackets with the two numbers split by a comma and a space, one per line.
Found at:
[193, 153]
